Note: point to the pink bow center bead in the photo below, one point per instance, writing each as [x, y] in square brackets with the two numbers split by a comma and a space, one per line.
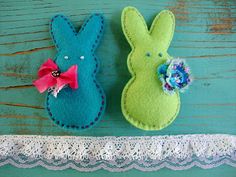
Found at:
[56, 73]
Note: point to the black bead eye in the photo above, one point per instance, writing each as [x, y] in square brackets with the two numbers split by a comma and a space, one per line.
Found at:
[148, 54]
[160, 54]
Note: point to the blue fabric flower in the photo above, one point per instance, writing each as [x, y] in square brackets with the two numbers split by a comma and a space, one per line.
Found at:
[174, 75]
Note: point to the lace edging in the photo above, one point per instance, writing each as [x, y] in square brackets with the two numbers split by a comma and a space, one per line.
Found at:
[146, 153]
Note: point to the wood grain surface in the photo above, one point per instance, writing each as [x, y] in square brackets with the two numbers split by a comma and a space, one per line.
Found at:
[205, 36]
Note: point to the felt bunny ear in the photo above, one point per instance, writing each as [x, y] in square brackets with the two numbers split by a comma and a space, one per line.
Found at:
[62, 31]
[162, 29]
[134, 26]
[91, 31]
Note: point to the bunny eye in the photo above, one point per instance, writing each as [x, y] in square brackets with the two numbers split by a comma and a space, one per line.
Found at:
[81, 57]
[66, 57]
[160, 54]
[148, 54]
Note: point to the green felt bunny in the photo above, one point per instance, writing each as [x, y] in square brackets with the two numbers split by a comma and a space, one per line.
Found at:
[144, 103]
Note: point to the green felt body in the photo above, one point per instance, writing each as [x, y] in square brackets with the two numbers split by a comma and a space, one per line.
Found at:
[144, 103]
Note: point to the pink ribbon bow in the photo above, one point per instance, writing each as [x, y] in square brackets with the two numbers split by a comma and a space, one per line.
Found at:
[50, 77]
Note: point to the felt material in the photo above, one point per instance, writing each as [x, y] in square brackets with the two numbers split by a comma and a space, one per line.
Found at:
[81, 108]
[144, 103]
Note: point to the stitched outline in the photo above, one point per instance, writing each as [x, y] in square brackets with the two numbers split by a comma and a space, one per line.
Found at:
[125, 111]
[101, 92]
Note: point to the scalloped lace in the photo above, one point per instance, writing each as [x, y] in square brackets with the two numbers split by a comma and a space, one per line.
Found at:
[145, 153]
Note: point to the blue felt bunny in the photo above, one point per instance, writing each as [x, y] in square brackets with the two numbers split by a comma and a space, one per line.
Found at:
[83, 107]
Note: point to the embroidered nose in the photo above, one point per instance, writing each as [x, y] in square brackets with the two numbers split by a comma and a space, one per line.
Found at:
[56, 73]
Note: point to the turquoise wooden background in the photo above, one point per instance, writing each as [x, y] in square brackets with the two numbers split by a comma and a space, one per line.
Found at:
[205, 36]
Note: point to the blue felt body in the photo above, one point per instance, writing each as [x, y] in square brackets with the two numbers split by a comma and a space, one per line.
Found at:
[78, 108]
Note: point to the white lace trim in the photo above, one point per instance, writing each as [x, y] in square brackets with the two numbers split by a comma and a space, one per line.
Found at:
[118, 153]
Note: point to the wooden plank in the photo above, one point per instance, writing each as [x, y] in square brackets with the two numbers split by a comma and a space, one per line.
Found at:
[205, 36]
[10, 171]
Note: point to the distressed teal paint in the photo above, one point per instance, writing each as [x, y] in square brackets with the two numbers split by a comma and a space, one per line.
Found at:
[194, 172]
[205, 36]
